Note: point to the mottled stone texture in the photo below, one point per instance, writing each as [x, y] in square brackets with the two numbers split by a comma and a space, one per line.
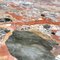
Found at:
[28, 46]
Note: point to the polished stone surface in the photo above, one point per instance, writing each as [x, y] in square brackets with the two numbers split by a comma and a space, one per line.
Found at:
[28, 46]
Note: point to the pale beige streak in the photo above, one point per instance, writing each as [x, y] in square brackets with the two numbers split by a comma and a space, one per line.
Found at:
[39, 33]
[44, 36]
[3, 58]
[7, 34]
[6, 37]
